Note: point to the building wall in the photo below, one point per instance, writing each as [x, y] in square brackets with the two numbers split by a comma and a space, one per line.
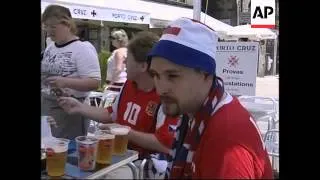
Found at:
[244, 5]
[98, 32]
[225, 10]
[188, 4]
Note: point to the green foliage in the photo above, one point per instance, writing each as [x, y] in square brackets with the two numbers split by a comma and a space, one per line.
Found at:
[103, 60]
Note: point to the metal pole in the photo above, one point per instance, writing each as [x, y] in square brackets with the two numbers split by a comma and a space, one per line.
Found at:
[141, 168]
[206, 12]
[275, 46]
[134, 170]
[238, 12]
[197, 10]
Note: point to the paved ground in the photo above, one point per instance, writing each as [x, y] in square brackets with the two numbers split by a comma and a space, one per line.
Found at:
[268, 86]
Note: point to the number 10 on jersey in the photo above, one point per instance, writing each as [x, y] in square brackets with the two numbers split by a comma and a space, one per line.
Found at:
[132, 113]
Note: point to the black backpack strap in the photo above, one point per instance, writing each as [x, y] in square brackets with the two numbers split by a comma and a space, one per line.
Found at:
[183, 129]
[155, 116]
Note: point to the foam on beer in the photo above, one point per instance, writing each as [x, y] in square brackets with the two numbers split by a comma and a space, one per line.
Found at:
[88, 141]
[58, 146]
[60, 149]
[104, 136]
[120, 131]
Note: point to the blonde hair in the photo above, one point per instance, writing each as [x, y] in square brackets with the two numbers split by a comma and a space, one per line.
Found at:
[121, 36]
[62, 14]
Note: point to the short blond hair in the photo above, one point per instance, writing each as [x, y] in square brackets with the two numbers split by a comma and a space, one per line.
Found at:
[121, 36]
[62, 14]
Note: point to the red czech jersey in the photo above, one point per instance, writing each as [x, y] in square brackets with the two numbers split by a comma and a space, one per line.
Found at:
[231, 146]
[137, 109]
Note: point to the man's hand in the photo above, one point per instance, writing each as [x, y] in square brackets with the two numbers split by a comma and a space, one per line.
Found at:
[108, 126]
[56, 81]
[52, 122]
[70, 105]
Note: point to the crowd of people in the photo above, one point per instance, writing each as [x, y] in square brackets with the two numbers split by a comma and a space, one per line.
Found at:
[169, 95]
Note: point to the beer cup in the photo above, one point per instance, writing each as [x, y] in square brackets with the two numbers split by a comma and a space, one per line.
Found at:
[105, 146]
[56, 156]
[87, 152]
[121, 139]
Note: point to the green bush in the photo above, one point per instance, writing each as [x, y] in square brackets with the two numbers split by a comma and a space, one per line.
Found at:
[103, 59]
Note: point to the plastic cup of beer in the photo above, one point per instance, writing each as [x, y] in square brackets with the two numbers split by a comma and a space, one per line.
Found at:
[105, 146]
[121, 139]
[87, 152]
[56, 154]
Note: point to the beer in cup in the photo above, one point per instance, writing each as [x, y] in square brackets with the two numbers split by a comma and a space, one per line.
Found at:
[105, 146]
[121, 139]
[56, 153]
[87, 152]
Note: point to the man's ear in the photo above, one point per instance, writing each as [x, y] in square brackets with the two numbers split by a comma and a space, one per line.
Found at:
[207, 76]
[145, 66]
[204, 74]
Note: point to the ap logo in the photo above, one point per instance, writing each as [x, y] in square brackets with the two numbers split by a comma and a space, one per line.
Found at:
[263, 14]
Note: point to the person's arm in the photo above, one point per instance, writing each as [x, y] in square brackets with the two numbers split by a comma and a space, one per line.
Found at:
[147, 140]
[73, 106]
[88, 69]
[80, 84]
[161, 140]
[97, 114]
[119, 58]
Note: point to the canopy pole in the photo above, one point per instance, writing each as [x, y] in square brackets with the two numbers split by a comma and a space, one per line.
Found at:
[197, 10]
[275, 46]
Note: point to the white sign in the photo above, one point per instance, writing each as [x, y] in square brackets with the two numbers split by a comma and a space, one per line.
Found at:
[104, 14]
[263, 13]
[237, 66]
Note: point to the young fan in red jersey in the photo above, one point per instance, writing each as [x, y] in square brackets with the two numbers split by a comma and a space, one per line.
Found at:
[217, 138]
[137, 105]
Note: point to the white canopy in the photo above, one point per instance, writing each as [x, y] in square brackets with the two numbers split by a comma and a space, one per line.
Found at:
[245, 31]
[160, 14]
[167, 13]
[219, 26]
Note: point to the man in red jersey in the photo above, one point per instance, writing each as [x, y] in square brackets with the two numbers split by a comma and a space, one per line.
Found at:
[217, 138]
[137, 105]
